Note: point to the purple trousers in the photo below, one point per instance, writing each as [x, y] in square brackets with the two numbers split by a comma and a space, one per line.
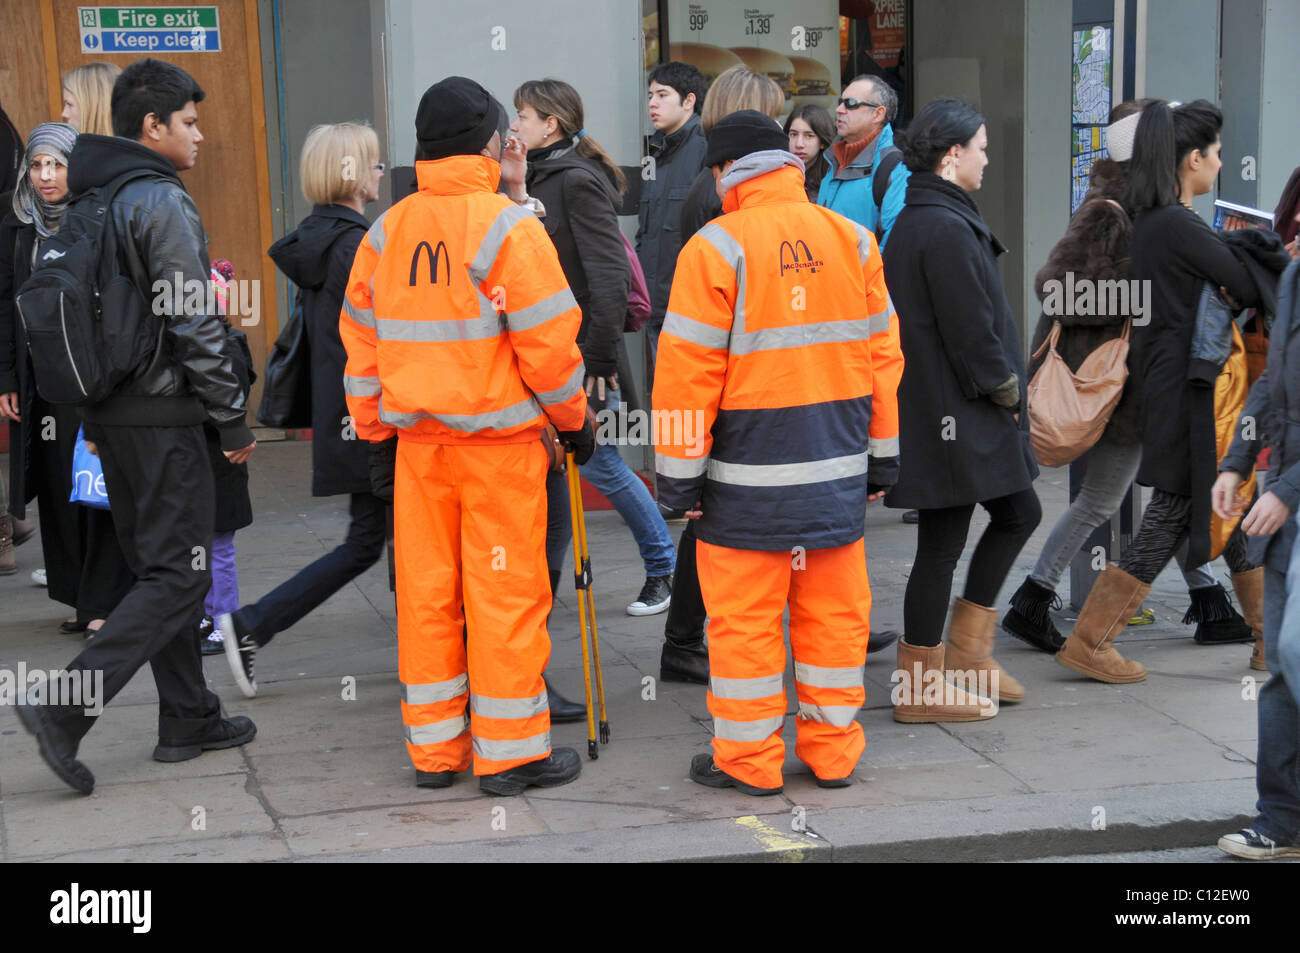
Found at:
[224, 594]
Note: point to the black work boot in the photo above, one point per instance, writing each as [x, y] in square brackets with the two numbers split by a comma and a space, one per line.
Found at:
[59, 751]
[1217, 622]
[1030, 620]
[562, 766]
[685, 663]
[563, 711]
[434, 779]
[878, 641]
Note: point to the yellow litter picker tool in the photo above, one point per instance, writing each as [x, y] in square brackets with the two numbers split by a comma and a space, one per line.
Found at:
[582, 581]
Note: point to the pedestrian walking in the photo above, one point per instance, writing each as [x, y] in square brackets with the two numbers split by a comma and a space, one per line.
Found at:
[796, 370]
[340, 173]
[88, 97]
[458, 277]
[964, 431]
[149, 435]
[1095, 248]
[1175, 158]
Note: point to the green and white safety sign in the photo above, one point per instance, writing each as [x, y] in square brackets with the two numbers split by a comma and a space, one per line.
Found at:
[138, 30]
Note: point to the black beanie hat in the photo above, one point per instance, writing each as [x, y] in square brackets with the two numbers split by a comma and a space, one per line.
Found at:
[740, 133]
[456, 117]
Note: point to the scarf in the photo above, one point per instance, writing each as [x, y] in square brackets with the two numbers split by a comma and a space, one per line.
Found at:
[54, 139]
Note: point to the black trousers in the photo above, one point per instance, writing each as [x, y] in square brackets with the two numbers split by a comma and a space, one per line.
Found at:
[686, 613]
[160, 487]
[294, 598]
[940, 539]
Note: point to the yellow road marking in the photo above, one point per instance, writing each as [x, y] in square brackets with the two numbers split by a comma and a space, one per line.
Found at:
[775, 841]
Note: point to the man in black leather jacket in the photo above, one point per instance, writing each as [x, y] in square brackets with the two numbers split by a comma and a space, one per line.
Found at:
[149, 432]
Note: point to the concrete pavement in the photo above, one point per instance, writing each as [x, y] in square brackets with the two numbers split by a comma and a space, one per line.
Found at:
[1079, 768]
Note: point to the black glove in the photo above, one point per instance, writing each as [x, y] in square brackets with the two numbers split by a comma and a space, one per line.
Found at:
[582, 443]
[383, 464]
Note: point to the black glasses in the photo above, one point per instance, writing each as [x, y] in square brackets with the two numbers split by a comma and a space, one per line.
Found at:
[852, 103]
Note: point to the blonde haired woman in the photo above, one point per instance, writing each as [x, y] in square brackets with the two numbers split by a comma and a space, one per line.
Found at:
[88, 97]
[340, 172]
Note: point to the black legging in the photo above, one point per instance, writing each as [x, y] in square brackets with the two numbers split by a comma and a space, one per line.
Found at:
[940, 539]
[1165, 524]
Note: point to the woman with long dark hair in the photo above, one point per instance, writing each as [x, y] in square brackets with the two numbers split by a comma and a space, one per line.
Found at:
[579, 187]
[1175, 158]
[963, 428]
[811, 130]
[84, 565]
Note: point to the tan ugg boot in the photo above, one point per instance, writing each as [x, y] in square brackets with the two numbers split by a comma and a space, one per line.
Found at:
[970, 649]
[7, 566]
[1249, 587]
[923, 695]
[1114, 598]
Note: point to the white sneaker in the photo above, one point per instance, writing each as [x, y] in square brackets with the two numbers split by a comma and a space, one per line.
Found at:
[38, 577]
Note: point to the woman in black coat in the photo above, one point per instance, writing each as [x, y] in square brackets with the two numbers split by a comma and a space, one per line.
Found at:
[84, 565]
[1175, 157]
[340, 173]
[963, 431]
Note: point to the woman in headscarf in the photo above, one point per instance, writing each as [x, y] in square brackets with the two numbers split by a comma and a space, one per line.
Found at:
[84, 566]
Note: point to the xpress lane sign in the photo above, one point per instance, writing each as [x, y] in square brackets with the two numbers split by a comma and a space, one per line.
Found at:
[138, 30]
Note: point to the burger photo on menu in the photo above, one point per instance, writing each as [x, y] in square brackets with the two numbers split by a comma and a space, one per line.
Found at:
[813, 83]
[709, 60]
[773, 64]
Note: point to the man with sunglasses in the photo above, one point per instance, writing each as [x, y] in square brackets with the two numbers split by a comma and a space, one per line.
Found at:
[867, 181]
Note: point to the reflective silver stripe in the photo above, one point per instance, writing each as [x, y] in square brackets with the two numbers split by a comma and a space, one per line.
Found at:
[496, 750]
[818, 677]
[788, 474]
[679, 469]
[801, 335]
[430, 692]
[734, 256]
[880, 321]
[362, 316]
[495, 236]
[883, 446]
[490, 707]
[864, 243]
[841, 716]
[550, 307]
[747, 730]
[697, 332]
[565, 390]
[361, 386]
[437, 732]
[403, 329]
[513, 416]
[743, 688]
[376, 234]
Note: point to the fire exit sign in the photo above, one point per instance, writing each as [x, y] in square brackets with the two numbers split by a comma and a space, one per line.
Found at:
[136, 30]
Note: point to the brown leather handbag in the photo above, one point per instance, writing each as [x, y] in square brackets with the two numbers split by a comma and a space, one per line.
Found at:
[1069, 410]
[554, 448]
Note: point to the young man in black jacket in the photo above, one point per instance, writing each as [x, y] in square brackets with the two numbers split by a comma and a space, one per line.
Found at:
[677, 155]
[149, 432]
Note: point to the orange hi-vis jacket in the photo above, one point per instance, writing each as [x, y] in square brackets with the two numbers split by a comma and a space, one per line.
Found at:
[458, 322]
[779, 360]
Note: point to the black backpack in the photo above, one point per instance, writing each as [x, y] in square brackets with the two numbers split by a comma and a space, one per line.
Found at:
[885, 163]
[87, 323]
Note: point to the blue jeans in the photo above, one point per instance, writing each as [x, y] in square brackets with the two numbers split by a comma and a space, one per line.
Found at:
[610, 474]
[1111, 468]
[1277, 768]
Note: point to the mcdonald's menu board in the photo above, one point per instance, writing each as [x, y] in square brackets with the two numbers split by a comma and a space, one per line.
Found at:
[798, 45]
[136, 30]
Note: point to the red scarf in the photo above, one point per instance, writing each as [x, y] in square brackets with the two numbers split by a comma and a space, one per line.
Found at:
[846, 152]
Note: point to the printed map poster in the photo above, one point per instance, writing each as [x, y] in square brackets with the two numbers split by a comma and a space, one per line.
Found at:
[1090, 107]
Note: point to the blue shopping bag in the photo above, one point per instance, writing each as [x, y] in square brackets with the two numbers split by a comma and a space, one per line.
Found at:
[87, 476]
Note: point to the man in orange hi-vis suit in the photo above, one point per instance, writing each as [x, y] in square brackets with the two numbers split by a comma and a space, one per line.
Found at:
[780, 336]
[460, 331]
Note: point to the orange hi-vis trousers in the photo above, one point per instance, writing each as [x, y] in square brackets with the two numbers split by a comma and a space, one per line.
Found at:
[469, 528]
[745, 592]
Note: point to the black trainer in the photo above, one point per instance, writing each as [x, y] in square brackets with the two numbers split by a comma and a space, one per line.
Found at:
[684, 663]
[1217, 622]
[241, 650]
[59, 753]
[705, 771]
[1252, 845]
[434, 779]
[210, 639]
[228, 733]
[1030, 619]
[655, 596]
[561, 767]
